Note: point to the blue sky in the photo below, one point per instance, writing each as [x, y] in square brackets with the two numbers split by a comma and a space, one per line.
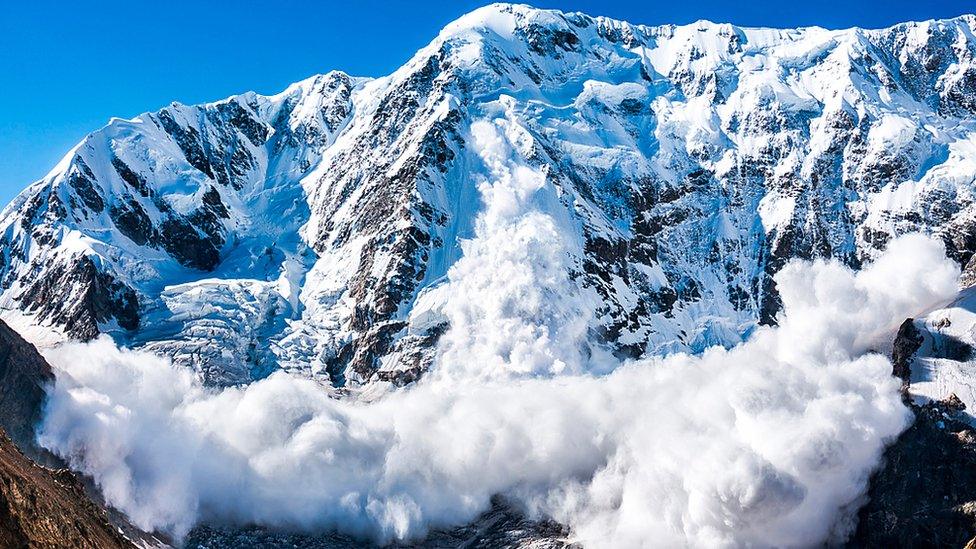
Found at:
[65, 69]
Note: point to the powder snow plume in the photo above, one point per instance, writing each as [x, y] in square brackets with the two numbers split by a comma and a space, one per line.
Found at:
[769, 443]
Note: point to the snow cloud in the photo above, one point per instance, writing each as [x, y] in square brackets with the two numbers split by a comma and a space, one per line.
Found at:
[510, 300]
[767, 443]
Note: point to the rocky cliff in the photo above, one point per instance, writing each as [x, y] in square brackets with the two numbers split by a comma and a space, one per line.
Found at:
[42, 507]
[39, 506]
[23, 376]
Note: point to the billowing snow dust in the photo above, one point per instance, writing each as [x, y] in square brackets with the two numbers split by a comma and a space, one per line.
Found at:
[767, 443]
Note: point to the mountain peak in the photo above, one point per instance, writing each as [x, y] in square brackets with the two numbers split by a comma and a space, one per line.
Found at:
[501, 18]
[694, 161]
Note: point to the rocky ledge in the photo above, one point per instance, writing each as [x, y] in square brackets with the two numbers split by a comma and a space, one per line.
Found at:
[41, 507]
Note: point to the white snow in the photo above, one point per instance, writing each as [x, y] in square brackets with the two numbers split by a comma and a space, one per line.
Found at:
[719, 139]
[768, 443]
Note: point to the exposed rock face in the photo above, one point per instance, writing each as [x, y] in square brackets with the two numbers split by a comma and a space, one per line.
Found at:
[23, 376]
[925, 495]
[41, 507]
[45, 506]
[907, 342]
[502, 527]
[925, 492]
[301, 230]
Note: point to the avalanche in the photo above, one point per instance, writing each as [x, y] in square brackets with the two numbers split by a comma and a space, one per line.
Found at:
[632, 278]
[769, 443]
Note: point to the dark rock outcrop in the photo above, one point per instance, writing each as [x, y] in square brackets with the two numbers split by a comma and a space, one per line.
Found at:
[925, 494]
[55, 298]
[907, 342]
[23, 375]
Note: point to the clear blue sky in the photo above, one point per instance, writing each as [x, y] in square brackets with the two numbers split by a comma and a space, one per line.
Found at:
[65, 68]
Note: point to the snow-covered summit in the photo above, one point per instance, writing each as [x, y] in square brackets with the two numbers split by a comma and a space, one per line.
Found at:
[316, 229]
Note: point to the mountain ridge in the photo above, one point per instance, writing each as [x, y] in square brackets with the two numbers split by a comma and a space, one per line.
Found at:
[312, 222]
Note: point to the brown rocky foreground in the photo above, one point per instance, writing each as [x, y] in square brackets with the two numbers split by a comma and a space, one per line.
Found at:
[41, 507]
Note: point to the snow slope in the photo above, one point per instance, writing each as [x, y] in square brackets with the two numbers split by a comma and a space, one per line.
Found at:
[322, 230]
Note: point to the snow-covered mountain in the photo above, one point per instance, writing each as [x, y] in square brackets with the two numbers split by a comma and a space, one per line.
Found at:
[314, 230]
